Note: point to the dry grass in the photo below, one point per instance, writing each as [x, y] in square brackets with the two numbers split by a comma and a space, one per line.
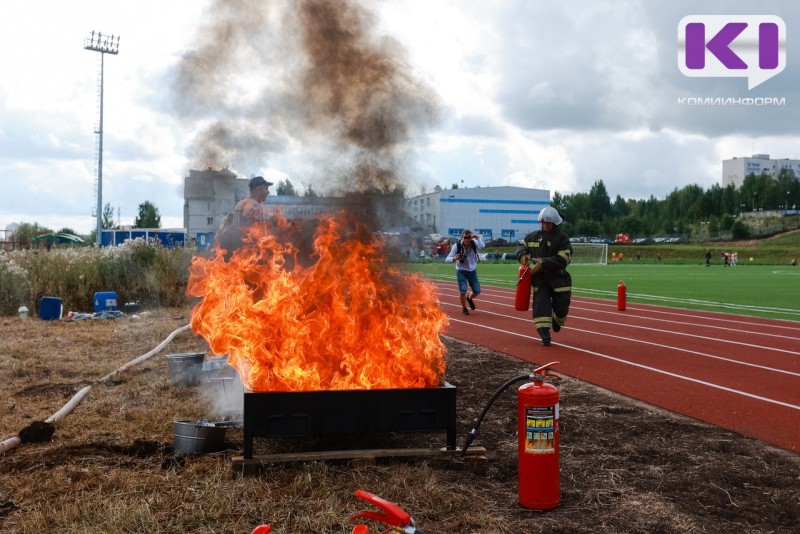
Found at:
[110, 467]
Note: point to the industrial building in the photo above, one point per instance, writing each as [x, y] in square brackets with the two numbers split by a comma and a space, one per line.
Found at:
[735, 170]
[494, 212]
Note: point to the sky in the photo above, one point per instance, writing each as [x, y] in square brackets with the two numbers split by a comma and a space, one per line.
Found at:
[530, 93]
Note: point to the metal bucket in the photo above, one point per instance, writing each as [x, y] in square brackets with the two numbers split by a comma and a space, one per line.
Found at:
[186, 368]
[198, 437]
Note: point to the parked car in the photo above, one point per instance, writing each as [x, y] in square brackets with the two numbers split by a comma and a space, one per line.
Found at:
[512, 256]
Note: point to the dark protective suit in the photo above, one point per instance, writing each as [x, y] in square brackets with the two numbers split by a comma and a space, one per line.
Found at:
[552, 284]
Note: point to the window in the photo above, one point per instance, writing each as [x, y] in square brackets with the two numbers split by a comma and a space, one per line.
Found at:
[209, 221]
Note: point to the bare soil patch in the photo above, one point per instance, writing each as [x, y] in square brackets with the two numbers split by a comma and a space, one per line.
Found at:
[110, 466]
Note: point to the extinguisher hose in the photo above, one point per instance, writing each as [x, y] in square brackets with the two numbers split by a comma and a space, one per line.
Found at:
[474, 431]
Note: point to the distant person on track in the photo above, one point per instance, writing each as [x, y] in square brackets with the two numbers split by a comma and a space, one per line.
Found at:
[548, 252]
[465, 255]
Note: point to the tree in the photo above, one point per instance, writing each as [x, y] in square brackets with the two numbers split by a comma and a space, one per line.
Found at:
[599, 201]
[26, 231]
[108, 222]
[286, 189]
[148, 216]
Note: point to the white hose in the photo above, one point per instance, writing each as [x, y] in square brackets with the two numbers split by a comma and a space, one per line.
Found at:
[150, 354]
[14, 441]
[68, 407]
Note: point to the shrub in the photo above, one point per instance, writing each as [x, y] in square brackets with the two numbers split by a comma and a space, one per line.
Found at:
[138, 270]
[14, 287]
[740, 230]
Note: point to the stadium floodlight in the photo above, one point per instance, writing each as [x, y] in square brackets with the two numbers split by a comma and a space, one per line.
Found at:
[105, 44]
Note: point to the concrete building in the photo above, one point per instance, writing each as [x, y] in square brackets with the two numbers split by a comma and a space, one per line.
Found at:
[207, 197]
[507, 212]
[735, 170]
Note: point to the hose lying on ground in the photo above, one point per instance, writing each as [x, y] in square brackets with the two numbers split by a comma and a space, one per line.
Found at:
[14, 441]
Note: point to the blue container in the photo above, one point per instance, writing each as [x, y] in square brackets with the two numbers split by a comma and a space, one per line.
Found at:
[105, 301]
[50, 308]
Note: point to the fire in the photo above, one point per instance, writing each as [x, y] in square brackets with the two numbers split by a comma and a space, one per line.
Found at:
[337, 316]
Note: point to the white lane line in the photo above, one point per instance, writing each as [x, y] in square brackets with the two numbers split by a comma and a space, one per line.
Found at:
[663, 331]
[646, 367]
[645, 342]
[577, 290]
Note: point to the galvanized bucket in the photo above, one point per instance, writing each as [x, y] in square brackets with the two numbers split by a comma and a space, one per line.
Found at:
[198, 437]
[186, 368]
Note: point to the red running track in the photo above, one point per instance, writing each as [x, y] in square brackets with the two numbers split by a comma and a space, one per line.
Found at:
[736, 372]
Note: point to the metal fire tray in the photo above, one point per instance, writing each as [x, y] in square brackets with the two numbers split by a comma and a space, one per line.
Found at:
[315, 413]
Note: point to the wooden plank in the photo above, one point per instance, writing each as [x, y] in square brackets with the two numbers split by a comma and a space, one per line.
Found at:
[356, 454]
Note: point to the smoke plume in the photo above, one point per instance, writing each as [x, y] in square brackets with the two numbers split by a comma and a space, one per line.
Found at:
[267, 81]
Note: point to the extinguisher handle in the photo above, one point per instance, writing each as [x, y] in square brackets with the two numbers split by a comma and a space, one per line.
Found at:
[545, 368]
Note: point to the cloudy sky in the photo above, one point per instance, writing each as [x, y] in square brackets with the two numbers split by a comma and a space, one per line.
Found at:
[554, 95]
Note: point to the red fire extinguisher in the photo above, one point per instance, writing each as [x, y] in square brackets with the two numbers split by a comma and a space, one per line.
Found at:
[622, 296]
[522, 299]
[538, 420]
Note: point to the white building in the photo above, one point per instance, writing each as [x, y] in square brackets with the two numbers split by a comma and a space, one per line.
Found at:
[735, 170]
[207, 197]
[507, 212]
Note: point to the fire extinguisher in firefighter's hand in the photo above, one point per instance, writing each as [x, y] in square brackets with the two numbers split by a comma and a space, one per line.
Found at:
[522, 297]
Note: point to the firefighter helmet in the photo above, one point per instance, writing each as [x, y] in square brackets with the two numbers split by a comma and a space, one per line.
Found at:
[550, 214]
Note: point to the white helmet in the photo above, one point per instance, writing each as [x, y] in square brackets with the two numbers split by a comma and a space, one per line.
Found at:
[550, 214]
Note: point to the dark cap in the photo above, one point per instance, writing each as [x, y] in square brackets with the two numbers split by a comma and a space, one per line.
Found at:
[258, 180]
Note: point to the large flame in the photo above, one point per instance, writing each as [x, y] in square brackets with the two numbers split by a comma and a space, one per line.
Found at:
[334, 317]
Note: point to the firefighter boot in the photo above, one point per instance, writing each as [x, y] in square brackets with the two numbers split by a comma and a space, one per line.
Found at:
[556, 324]
[545, 335]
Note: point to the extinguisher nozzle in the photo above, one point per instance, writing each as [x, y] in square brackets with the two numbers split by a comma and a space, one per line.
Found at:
[468, 442]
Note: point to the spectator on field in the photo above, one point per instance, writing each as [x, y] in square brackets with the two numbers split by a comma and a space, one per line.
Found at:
[708, 258]
[465, 253]
[638, 255]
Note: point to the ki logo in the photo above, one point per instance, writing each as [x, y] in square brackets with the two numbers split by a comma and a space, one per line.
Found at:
[732, 46]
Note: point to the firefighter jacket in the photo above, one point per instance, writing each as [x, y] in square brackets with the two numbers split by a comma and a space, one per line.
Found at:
[555, 253]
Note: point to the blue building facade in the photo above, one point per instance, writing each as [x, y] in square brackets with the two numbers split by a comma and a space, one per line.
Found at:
[494, 212]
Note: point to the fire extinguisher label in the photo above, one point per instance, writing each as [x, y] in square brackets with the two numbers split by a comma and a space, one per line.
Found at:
[540, 429]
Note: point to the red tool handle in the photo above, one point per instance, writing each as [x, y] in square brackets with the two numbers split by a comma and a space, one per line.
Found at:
[391, 514]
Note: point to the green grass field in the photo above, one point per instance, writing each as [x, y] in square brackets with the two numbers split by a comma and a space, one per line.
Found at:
[758, 290]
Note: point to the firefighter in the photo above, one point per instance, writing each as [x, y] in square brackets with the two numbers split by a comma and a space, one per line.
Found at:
[550, 252]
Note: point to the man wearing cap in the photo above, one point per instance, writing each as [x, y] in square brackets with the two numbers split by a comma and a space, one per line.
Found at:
[250, 210]
[550, 252]
[247, 211]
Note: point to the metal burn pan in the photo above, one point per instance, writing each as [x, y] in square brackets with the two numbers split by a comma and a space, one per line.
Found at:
[316, 413]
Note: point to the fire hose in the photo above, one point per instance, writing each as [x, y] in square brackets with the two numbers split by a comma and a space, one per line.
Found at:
[14, 441]
[474, 431]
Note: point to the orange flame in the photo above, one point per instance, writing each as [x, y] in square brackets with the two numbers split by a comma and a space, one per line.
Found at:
[348, 320]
